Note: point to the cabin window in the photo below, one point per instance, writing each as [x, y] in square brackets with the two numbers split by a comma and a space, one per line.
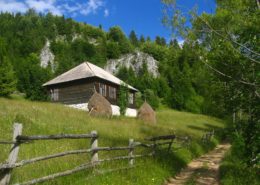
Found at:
[131, 98]
[112, 92]
[54, 94]
[102, 89]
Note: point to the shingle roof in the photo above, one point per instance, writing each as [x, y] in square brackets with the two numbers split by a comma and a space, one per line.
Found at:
[86, 70]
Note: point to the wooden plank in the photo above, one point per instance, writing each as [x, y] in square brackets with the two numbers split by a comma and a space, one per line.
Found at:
[125, 157]
[7, 142]
[136, 144]
[131, 152]
[163, 143]
[94, 146]
[72, 152]
[56, 175]
[111, 148]
[13, 154]
[41, 158]
[161, 137]
[54, 137]
[170, 145]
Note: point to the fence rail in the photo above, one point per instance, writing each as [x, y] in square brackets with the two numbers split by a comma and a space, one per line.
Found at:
[55, 137]
[18, 139]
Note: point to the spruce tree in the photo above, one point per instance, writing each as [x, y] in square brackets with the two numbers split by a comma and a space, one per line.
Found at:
[7, 78]
[142, 39]
[133, 38]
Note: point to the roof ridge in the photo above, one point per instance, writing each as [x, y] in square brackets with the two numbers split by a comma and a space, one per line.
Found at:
[63, 74]
[86, 70]
[90, 68]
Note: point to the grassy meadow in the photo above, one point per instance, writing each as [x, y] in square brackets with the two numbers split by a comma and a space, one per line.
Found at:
[39, 118]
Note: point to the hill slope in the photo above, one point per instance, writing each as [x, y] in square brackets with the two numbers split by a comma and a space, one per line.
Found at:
[47, 118]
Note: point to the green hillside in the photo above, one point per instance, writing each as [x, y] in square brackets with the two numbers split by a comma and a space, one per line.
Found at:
[47, 118]
[184, 82]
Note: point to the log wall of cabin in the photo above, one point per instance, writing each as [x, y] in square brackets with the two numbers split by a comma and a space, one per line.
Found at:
[111, 100]
[80, 91]
[108, 84]
[74, 92]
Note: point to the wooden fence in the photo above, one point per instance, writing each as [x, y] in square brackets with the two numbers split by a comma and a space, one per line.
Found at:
[18, 139]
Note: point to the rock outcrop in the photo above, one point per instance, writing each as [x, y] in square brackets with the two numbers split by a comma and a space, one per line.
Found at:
[134, 60]
[46, 56]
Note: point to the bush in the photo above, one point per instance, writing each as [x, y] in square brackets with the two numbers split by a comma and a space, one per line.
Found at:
[113, 50]
[123, 99]
[138, 99]
[234, 169]
[235, 172]
[151, 98]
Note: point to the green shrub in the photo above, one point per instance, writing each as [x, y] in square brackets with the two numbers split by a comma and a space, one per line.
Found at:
[151, 98]
[234, 169]
[7, 78]
[123, 98]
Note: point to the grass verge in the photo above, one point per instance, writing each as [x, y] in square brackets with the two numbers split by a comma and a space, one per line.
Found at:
[47, 118]
[234, 170]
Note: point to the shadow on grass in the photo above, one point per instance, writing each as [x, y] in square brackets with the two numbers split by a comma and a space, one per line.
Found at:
[198, 128]
[207, 128]
[176, 159]
[170, 161]
[212, 127]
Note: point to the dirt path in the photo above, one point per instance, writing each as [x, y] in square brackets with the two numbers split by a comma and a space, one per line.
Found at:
[203, 170]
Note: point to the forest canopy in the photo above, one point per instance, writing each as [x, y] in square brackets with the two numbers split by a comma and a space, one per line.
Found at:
[178, 86]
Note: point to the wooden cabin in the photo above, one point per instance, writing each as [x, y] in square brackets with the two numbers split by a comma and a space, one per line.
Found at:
[77, 85]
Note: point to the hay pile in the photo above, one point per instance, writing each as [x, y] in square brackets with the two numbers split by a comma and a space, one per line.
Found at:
[99, 106]
[146, 113]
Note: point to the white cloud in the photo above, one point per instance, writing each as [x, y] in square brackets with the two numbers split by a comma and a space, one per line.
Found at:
[44, 6]
[106, 12]
[95, 4]
[91, 7]
[57, 7]
[12, 6]
[181, 42]
[69, 8]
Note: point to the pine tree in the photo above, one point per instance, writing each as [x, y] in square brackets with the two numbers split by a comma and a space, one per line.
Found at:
[133, 38]
[158, 40]
[7, 78]
[163, 41]
[33, 76]
[142, 39]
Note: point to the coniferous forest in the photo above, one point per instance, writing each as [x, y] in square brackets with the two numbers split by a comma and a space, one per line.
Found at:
[216, 70]
[24, 35]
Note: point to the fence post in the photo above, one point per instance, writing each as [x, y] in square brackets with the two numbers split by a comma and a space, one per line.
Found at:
[13, 154]
[154, 147]
[94, 145]
[170, 145]
[131, 151]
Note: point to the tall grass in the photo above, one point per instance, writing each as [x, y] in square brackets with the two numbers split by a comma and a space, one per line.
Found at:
[48, 118]
[234, 170]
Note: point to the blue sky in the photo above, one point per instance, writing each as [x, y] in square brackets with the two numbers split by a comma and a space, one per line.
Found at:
[143, 16]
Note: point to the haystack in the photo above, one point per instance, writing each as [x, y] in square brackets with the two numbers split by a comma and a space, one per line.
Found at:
[99, 106]
[146, 113]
